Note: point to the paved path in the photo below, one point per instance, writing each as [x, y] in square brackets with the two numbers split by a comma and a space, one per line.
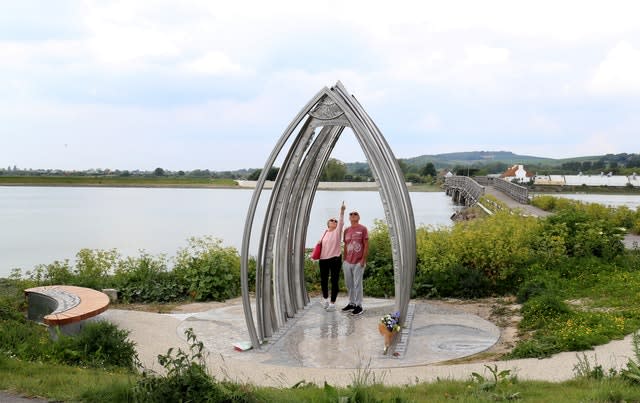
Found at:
[512, 204]
[339, 355]
[6, 397]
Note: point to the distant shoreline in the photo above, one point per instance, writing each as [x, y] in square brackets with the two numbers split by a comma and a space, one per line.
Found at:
[189, 184]
[125, 185]
[149, 183]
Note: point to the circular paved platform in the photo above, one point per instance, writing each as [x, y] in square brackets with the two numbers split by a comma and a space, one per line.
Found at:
[320, 339]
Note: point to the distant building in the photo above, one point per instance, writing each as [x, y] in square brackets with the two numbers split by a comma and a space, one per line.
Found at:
[589, 180]
[518, 173]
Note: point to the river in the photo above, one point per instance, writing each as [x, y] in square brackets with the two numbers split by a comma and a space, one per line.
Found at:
[39, 225]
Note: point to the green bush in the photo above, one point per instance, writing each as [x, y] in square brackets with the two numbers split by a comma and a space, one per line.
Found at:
[210, 271]
[546, 203]
[311, 273]
[146, 279]
[491, 251]
[58, 272]
[584, 234]
[99, 344]
[19, 337]
[378, 280]
[532, 288]
[93, 267]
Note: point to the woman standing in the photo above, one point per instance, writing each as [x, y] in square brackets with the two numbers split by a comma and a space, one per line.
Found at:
[331, 260]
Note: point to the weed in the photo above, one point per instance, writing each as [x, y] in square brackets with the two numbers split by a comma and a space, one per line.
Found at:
[498, 385]
[187, 379]
[584, 369]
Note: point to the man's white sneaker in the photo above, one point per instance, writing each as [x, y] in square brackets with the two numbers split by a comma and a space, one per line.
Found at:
[331, 308]
[324, 304]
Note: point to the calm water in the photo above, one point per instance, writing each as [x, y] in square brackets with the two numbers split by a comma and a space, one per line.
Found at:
[41, 224]
[633, 202]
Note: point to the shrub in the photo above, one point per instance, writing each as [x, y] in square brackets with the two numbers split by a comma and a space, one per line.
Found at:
[146, 279]
[379, 281]
[19, 337]
[546, 203]
[378, 277]
[532, 288]
[58, 272]
[99, 344]
[583, 234]
[93, 267]
[311, 273]
[210, 271]
[491, 250]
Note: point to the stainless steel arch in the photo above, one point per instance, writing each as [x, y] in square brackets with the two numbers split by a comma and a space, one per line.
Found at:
[280, 287]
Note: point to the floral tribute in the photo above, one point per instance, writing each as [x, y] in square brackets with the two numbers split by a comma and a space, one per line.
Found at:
[388, 326]
[391, 321]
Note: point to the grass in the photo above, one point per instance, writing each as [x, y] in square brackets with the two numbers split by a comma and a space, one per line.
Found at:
[423, 187]
[134, 181]
[584, 189]
[65, 383]
[59, 382]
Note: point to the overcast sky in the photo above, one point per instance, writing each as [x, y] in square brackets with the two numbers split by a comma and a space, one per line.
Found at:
[211, 85]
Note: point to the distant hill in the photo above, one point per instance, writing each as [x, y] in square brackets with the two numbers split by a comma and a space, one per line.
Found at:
[479, 158]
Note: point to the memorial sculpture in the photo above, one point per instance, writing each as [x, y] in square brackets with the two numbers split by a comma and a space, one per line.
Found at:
[280, 291]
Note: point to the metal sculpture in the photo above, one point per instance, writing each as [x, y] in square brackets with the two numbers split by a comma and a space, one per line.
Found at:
[280, 285]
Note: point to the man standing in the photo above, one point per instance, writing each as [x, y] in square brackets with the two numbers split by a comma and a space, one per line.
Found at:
[356, 249]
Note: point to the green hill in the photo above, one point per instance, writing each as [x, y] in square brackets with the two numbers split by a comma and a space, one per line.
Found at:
[478, 158]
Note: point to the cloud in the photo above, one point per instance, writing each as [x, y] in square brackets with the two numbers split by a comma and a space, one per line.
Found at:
[176, 77]
[214, 63]
[483, 55]
[618, 72]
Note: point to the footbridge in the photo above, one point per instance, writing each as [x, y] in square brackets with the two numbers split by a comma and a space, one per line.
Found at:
[463, 190]
[468, 191]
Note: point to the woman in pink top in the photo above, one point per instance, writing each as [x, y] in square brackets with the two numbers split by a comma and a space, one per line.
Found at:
[331, 260]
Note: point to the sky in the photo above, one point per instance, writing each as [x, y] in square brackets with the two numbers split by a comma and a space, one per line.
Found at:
[200, 84]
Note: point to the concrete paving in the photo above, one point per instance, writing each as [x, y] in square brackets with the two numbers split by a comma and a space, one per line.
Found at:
[340, 349]
[320, 339]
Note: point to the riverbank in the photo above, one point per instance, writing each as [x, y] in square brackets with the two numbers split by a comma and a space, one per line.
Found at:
[182, 182]
[127, 181]
[179, 182]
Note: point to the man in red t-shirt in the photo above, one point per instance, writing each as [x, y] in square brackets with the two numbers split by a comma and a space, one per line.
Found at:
[356, 249]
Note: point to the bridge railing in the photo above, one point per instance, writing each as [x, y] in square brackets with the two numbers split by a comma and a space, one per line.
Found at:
[471, 188]
[516, 192]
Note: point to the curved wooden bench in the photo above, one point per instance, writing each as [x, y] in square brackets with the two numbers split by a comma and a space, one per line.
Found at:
[64, 305]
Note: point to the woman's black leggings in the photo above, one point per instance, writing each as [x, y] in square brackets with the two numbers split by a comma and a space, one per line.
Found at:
[331, 267]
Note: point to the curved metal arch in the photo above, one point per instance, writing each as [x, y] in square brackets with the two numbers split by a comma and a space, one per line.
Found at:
[280, 285]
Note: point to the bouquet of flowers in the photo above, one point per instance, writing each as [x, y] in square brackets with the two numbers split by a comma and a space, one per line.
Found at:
[391, 321]
[388, 326]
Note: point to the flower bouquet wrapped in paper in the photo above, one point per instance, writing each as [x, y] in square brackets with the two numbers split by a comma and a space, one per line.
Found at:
[388, 326]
